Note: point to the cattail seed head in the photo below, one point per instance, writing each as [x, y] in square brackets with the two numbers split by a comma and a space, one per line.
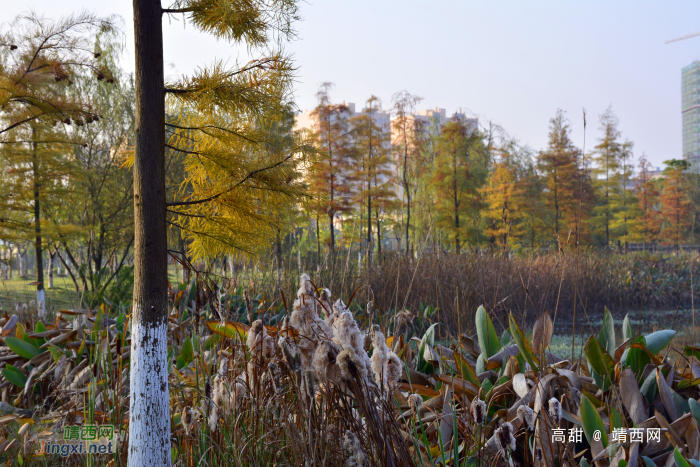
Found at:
[478, 411]
[555, 410]
[527, 415]
[207, 388]
[415, 402]
[351, 366]
[356, 456]
[394, 367]
[505, 438]
[188, 419]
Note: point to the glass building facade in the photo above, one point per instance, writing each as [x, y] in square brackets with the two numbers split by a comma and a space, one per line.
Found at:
[690, 89]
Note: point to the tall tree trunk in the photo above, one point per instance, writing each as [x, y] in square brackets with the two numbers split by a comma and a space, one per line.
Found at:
[318, 245]
[279, 259]
[456, 205]
[50, 270]
[405, 188]
[331, 218]
[40, 300]
[149, 414]
[379, 235]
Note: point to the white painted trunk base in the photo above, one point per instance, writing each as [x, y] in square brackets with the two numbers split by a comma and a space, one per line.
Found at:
[40, 303]
[149, 416]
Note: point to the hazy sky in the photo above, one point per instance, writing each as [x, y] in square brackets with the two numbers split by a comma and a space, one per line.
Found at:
[514, 62]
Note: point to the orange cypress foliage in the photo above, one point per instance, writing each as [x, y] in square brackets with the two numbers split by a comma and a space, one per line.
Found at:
[647, 224]
[675, 203]
[329, 175]
[503, 196]
[569, 193]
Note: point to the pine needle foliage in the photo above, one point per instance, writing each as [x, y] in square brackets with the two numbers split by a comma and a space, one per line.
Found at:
[39, 58]
[231, 128]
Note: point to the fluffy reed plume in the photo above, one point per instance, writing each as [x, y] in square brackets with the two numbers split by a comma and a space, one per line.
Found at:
[356, 456]
[478, 408]
[345, 331]
[351, 366]
[505, 438]
[188, 420]
[415, 402]
[393, 372]
[260, 344]
[555, 410]
[219, 393]
[380, 356]
[527, 415]
[324, 361]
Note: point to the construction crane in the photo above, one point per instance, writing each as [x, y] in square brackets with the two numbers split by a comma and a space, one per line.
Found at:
[695, 34]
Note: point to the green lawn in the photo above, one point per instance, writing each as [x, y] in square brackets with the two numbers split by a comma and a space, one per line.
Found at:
[17, 290]
[62, 296]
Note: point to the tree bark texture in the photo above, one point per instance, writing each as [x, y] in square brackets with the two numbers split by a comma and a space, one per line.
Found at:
[149, 416]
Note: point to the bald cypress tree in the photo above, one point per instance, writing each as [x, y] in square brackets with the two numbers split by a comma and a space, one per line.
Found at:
[39, 61]
[217, 122]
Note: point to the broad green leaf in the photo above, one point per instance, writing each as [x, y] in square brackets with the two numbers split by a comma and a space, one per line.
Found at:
[120, 322]
[648, 462]
[680, 460]
[590, 419]
[615, 419]
[657, 341]
[187, 351]
[690, 351]
[584, 463]
[98, 323]
[39, 328]
[428, 339]
[180, 364]
[14, 375]
[465, 370]
[212, 341]
[637, 356]
[627, 332]
[506, 339]
[480, 364]
[192, 295]
[228, 329]
[21, 348]
[607, 333]
[650, 387]
[55, 354]
[682, 405]
[522, 343]
[488, 339]
[601, 363]
[622, 463]
[694, 409]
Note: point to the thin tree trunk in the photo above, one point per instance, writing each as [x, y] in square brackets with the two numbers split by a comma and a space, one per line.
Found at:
[50, 268]
[379, 236]
[40, 300]
[318, 245]
[279, 259]
[149, 414]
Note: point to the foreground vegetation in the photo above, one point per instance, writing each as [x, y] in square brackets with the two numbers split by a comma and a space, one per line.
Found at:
[252, 383]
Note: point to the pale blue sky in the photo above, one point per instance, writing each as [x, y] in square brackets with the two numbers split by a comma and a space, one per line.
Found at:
[514, 62]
